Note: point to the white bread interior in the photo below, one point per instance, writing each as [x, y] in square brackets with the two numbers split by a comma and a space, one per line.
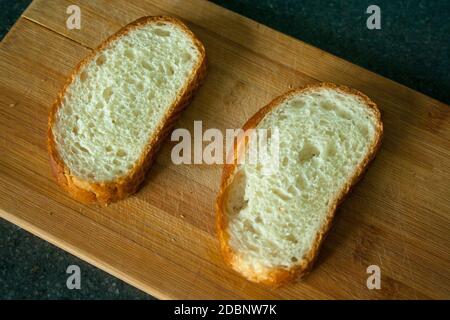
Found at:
[114, 106]
[273, 222]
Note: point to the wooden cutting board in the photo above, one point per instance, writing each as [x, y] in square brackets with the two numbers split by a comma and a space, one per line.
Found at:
[162, 240]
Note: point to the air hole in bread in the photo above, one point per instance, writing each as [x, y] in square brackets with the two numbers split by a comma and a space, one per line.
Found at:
[170, 71]
[292, 190]
[121, 153]
[236, 200]
[130, 80]
[101, 59]
[328, 105]
[107, 93]
[300, 182]
[297, 103]
[322, 123]
[291, 238]
[248, 225]
[331, 149]
[343, 114]
[129, 53]
[75, 130]
[83, 76]
[108, 148]
[140, 86]
[364, 130]
[161, 32]
[186, 57]
[108, 167]
[308, 152]
[281, 194]
[83, 149]
[146, 65]
[294, 259]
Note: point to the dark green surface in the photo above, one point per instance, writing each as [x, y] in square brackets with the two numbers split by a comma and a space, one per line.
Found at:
[31, 268]
[411, 48]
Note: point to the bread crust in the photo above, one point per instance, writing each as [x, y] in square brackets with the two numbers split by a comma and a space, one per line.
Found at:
[106, 192]
[278, 276]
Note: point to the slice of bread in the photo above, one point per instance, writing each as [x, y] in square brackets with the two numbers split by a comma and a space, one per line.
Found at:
[270, 226]
[119, 104]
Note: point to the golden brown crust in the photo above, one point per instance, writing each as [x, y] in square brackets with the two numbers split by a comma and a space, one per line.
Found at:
[278, 276]
[107, 192]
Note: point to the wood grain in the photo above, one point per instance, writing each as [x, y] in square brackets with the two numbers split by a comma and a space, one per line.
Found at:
[162, 240]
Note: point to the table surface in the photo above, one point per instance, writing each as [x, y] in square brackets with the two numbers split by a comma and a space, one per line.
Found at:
[412, 48]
